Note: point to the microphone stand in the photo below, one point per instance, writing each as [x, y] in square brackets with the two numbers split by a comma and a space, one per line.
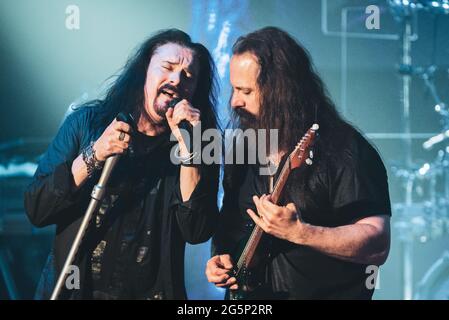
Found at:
[97, 195]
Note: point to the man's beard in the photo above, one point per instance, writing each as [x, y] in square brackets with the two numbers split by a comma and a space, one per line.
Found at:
[162, 108]
[246, 119]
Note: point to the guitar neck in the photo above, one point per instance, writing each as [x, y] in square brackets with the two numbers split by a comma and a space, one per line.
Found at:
[256, 235]
[280, 182]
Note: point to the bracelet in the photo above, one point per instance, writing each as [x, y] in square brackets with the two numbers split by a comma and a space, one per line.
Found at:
[190, 165]
[186, 161]
[90, 159]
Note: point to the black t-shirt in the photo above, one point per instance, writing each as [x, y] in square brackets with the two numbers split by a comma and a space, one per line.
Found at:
[342, 189]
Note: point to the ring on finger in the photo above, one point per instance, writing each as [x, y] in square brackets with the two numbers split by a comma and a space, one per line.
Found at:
[121, 137]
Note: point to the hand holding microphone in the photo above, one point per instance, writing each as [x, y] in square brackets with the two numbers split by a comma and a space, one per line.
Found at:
[182, 115]
[115, 139]
[121, 123]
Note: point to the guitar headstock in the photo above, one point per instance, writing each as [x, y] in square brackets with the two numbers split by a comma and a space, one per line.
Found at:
[302, 152]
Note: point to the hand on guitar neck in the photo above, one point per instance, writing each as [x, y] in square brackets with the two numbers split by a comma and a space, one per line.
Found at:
[283, 222]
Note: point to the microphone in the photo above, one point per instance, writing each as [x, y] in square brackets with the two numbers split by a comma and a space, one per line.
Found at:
[127, 118]
[185, 127]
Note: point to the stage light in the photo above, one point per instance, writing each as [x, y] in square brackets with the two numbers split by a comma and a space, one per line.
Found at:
[423, 170]
[435, 4]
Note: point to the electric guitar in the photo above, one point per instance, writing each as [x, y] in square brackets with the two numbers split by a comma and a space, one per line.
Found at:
[247, 271]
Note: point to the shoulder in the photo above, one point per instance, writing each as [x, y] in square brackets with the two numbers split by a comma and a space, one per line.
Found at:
[355, 155]
[82, 115]
[364, 152]
[357, 149]
[81, 120]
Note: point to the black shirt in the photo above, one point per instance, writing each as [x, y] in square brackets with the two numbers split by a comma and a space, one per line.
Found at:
[341, 189]
[126, 259]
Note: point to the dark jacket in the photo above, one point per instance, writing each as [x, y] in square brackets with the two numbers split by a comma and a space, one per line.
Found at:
[52, 199]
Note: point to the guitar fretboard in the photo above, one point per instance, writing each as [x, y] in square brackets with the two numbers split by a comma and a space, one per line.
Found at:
[256, 235]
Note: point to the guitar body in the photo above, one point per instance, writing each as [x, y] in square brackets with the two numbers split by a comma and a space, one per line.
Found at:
[251, 279]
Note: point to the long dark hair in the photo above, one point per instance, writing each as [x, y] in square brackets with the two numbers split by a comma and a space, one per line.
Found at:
[127, 92]
[293, 96]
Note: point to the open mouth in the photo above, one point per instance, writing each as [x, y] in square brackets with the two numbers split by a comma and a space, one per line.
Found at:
[170, 93]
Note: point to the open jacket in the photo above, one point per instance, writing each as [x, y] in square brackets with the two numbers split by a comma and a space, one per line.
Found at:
[52, 198]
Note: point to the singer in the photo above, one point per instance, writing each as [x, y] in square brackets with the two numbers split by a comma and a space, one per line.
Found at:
[134, 246]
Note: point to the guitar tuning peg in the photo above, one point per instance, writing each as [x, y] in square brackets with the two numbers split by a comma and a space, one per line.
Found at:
[309, 161]
[311, 154]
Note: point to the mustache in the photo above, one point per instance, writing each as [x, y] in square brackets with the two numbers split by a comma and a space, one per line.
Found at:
[245, 115]
[168, 86]
[245, 119]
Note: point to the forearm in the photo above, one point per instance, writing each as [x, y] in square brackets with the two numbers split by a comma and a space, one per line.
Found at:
[359, 243]
[48, 195]
[79, 171]
[189, 178]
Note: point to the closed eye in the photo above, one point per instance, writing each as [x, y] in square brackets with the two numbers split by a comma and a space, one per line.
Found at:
[188, 74]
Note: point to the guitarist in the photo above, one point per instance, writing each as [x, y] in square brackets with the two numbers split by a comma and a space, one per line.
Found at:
[332, 223]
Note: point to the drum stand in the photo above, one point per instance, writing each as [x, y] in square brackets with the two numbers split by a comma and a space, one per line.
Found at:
[407, 242]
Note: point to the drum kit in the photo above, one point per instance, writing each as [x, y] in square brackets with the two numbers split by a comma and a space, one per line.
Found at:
[423, 214]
